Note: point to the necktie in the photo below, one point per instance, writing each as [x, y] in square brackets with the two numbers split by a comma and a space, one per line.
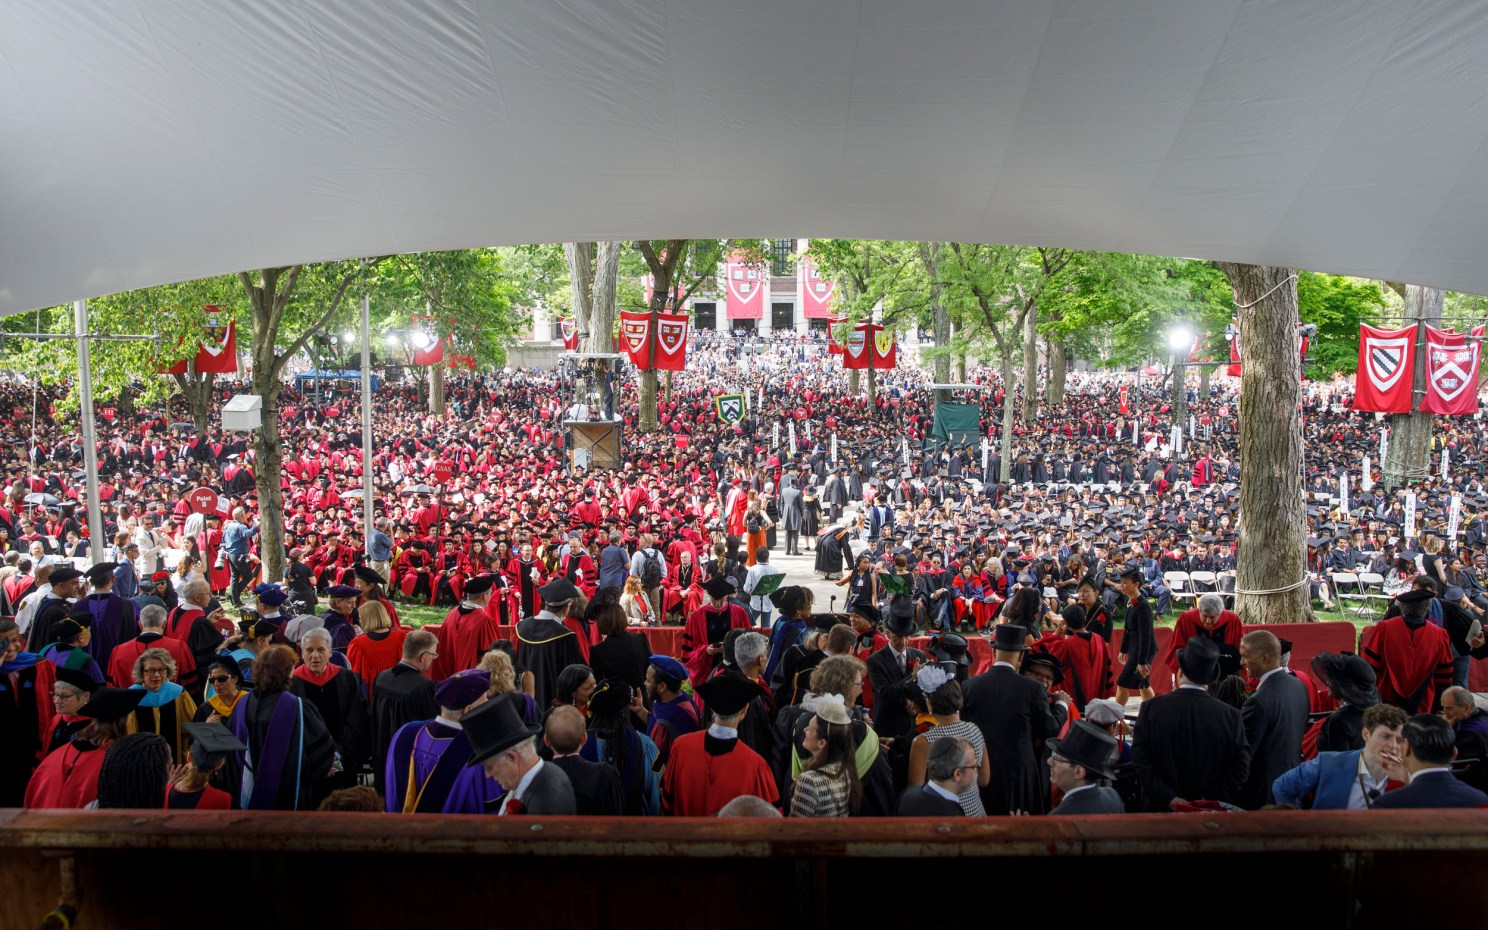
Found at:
[901, 661]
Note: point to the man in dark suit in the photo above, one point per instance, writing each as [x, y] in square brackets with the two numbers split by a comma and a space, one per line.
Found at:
[1188, 746]
[506, 748]
[950, 769]
[596, 786]
[1077, 765]
[1013, 711]
[1430, 747]
[402, 695]
[889, 672]
[1275, 717]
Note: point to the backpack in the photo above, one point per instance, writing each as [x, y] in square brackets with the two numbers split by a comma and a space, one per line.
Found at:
[650, 569]
[753, 523]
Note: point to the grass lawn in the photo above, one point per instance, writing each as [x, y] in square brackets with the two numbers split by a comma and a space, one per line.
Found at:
[1321, 614]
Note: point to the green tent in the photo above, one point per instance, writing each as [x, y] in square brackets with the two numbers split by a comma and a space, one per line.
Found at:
[955, 424]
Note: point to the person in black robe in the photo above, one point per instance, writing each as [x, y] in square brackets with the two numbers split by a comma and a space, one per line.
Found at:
[1351, 682]
[54, 608]
[1013, 711]
[833, 550]
[340, 696]
[19, 716]
[401, 695]
[289, 748]
[544, 644]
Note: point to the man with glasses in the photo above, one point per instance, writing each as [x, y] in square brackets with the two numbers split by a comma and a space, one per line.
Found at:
[401, 695]
[950, 770]
[1078, 764]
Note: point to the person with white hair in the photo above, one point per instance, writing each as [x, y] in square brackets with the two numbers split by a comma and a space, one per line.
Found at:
[341, 698]
[152, 636]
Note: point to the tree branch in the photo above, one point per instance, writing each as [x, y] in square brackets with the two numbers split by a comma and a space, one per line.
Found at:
[304, 337]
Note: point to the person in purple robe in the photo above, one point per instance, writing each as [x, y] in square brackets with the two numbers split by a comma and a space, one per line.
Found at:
[289, 747]
[114, 618]
[427, 756]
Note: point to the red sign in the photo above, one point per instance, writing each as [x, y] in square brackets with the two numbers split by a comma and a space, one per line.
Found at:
[745, 285]
[1125, 404]
[1387, 362]
[442, 472]
[203, 500]
[1451, 373]
[671, 341]
[635, 338]
[816, 292]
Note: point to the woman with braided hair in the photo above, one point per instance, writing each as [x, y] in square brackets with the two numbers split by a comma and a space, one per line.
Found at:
[135, 771]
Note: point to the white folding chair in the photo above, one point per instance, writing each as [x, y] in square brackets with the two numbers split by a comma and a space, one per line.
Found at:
[1347, 592]
[1177, 583]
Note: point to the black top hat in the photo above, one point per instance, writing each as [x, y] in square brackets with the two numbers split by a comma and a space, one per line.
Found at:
[494, 727]
[78, 679]
[1089, 746]
[558, 591]
[1199, 660]
[728, 694]
[952, 647]
[369, 575]
[900, 624]
[1009, 637]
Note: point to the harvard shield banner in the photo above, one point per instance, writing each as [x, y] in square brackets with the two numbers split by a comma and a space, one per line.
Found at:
[635, 338]
[671, 341]
[855, 350]
[1451, 373]
[746, 285]
[570, 332]
[884, 344]
[815, 292]
[1387, 360]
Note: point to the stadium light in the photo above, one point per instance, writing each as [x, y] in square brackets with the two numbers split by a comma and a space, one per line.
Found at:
[422, 339]
[1181, 339]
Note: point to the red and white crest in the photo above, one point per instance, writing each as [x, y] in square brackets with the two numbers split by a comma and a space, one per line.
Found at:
[568, 327]
[635, 333]
[1452, 368]
[856, 342]
[1384, 360]
[745, 285]
[671, 335]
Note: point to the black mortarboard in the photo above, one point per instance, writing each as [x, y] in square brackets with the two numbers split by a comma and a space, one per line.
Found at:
[109, 704]
[78, 679]
[101, 572]
[727, 695]
[210, 743]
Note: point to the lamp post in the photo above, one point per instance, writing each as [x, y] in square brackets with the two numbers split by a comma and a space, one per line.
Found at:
[1181, 341]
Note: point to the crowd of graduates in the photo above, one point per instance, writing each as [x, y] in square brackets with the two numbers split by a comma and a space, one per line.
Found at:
[537, 694]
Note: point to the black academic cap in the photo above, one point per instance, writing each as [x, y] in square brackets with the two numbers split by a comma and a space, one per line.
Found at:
[210, 743]
[727, 695]
[78, 679]
[109, 704]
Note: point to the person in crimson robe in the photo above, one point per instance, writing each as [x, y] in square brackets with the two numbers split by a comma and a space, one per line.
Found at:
[682, 590]
[341, 698]
[706, 770]
[378, 648]
[210, 746]
[219, 575]
[526, 575]
[545, 645]
[1411, 657]
[69, 777]
[970, 597]
[735, 507]
[413, 569]
[152, 636]
[427, 756]
[578, 565]
[1083, 655]
[467, 631]
[1209, 620]
[71, 690]
[701, 645]
[867, 621]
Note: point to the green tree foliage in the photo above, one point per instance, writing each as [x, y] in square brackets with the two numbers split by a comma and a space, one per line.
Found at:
[1336, 305]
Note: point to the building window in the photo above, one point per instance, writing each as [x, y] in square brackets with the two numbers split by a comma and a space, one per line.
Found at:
[743, 327]
[704, 316]
[780, 252]
[782, 316]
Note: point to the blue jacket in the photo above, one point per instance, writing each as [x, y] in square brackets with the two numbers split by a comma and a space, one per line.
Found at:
[1329, 777]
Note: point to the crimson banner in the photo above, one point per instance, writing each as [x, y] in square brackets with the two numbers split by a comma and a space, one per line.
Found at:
[570, 332]
[671, 341]
[885, 348]
[834, 347]
[869, 346]
[815, 292]
[430, 356]
[1451, 373]
[746, 290]
[1125, 405]
[219, 345]
[1387, 364]
[635, 338]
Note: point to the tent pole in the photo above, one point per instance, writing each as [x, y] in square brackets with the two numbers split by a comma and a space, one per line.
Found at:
[90, 443]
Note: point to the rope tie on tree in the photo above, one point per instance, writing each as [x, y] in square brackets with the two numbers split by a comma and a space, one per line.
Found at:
[1270, 591]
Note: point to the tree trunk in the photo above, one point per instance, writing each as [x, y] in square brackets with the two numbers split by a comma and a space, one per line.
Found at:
[1272, 552]
[647, 421]
[1180, 394]
[580, 257]
[268, 457]
[197, 391]
[940, 318]
[1030, 365]
[1058, 369]
[853, 383]
[436, 389]
[872, 385]
[1409, 460]
[606, 278]
[1006, 448]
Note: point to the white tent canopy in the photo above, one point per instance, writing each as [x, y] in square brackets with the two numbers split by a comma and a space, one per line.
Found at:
[156, 141]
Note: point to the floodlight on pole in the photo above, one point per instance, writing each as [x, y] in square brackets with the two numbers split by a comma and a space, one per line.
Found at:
[422, 339]
[1181, 339]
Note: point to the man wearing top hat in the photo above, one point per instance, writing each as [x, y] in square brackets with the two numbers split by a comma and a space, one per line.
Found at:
[506, 748]
[1077, 766]
[1190, 746]
[890, 671]
[114, 619]
[1013, 711]
[544, 644]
